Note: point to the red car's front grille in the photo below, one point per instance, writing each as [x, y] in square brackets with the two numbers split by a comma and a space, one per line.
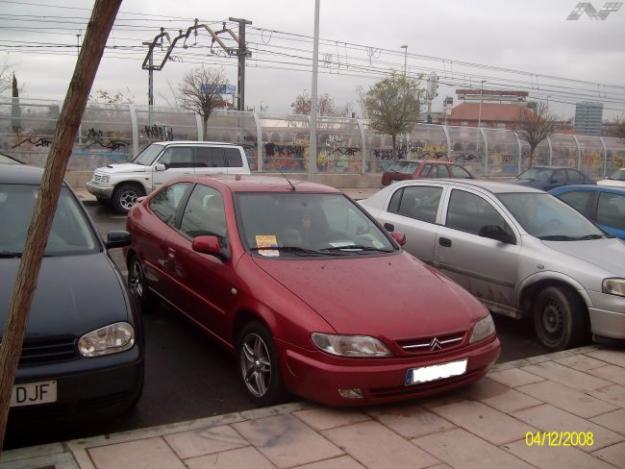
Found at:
[428, 345]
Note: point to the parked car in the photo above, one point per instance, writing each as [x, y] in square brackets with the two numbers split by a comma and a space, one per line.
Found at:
[6, 159]
[307, 289]
[521, 251]
[83, 349]
[550, 177]
[617, 178]
[604, 205]
[404, 169]
[121, 184]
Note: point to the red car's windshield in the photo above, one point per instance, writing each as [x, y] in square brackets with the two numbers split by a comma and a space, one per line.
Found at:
[307, 224]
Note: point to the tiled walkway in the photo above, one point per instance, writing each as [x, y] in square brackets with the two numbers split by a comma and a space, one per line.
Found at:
[483, 426]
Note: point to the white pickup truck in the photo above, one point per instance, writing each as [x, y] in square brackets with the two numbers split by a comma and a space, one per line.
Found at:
[120, 184]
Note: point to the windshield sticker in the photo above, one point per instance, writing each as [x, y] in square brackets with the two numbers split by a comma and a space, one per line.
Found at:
[267, 241]
[377, 244]
[340, 244]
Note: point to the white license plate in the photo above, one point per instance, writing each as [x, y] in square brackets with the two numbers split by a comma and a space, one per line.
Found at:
[42, 392]
[425, 374]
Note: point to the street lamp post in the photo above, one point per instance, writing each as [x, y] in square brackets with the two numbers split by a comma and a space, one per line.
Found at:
[312, 163]
[479, 114]
[405, 47]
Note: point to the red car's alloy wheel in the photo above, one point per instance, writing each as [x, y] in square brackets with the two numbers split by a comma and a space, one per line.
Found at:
[255, 364]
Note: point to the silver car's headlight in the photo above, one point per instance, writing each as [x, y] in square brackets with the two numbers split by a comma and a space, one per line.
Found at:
[484, 328]
[614, 286]
[107, 340]
[350, 345]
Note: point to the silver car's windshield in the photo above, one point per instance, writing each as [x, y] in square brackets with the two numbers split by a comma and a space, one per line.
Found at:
[547, 218]
[148, 155]
[304, 224]
[618, 175]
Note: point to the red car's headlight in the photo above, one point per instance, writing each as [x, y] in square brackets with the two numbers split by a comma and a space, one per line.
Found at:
[484, 328]
[350, 345]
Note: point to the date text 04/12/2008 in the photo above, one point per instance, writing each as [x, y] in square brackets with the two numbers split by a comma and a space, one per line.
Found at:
[558, 439]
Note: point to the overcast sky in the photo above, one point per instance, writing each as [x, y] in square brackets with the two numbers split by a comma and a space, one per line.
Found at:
[533, 36]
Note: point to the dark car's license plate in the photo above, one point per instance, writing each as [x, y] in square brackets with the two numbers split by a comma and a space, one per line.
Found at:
[41, 392]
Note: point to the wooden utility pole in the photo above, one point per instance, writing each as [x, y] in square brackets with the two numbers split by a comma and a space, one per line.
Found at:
[100, 24]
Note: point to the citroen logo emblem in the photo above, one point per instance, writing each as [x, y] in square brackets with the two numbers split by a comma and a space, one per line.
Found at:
[435, 345]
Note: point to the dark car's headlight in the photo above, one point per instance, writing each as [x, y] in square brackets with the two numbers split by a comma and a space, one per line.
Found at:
[614, 286]
[350, 345]
[107, 340]
[484, 328]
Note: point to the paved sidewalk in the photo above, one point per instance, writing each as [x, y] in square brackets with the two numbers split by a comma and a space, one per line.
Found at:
[483, 426]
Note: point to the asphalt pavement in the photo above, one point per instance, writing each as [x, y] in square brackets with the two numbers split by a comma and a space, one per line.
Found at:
[188, 376]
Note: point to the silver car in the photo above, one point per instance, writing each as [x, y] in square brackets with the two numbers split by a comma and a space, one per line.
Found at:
[519, 250]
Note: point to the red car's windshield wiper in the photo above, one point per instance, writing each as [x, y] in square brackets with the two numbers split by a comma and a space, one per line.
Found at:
[298, 251]
[356, 248]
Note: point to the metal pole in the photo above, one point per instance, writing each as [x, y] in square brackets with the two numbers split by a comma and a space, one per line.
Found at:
[479, 115]
[405, 47]
[605, 157]
[150, 83]
[242, 53]
[312, 164]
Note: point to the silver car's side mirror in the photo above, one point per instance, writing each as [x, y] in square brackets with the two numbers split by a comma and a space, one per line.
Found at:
[160, 167]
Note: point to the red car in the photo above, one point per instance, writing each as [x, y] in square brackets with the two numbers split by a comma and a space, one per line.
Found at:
[312, 295]
[403, 169]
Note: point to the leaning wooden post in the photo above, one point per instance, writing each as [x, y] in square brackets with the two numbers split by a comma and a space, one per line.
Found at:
[100, 24]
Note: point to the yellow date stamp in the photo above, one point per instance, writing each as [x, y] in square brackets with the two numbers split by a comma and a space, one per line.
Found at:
[558, 439]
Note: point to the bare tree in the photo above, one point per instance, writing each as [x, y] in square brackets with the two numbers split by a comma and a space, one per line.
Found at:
[617, 129]
[534, 126]
[110, 97]
[5, 76]
[392, 106]
[303, 104]
[201, 91]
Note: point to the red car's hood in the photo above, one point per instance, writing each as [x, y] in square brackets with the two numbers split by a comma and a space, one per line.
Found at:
[396, 297]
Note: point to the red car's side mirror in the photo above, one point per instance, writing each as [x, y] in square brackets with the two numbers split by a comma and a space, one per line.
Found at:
[399, 237]
[207, 245]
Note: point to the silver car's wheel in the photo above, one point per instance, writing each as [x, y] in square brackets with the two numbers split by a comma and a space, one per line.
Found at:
[258, 364]
[560, 318]
[255, 365]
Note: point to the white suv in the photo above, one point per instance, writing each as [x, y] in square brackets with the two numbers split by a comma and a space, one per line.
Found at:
[121, 184]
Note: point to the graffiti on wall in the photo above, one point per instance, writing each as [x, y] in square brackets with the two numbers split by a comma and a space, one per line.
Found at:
[159, 132]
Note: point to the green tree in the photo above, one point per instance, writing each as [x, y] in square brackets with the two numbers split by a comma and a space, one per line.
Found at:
[392, 106]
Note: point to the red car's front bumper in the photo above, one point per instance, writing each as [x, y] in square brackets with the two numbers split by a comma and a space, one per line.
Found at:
[318, 376]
